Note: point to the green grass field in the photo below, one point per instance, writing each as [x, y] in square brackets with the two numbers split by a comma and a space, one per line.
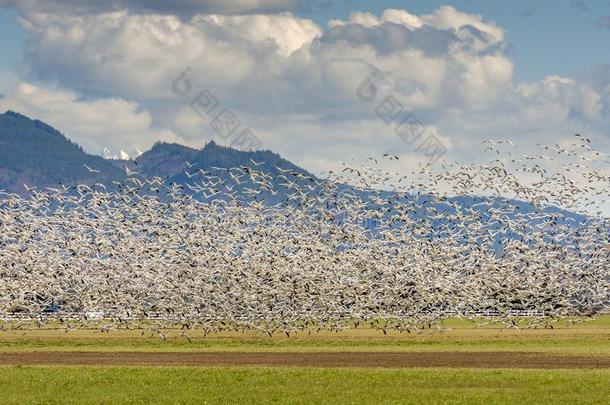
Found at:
[65, 385]
[588, 338]
[116, 384]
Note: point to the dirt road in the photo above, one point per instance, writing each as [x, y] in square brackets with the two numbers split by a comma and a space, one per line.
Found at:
[324, 359]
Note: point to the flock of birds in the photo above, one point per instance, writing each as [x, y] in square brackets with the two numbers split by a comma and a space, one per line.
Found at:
[523, 240]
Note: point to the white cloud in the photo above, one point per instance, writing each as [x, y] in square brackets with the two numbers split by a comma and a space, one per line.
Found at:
[447, 17]
[137, 56]
[245, 58]
[283, 31]
[294, 83]
[403, 17]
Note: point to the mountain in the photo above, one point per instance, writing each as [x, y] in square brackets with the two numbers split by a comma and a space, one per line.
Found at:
[33, 153]
[162, 160]
[216, 156]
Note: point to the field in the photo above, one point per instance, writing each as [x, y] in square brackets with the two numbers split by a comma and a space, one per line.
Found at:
[461, 364]
[300, 385]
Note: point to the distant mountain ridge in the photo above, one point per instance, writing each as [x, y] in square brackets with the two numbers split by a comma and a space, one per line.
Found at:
[35, 154]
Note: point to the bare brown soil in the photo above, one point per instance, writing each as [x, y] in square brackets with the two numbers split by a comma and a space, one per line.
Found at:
[323, 359]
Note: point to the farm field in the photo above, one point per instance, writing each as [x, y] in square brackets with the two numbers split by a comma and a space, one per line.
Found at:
[256, 385]
[591, 338]
[304, 202]
[462, 364]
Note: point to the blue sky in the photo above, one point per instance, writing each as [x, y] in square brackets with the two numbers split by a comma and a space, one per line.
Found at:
[12, 39]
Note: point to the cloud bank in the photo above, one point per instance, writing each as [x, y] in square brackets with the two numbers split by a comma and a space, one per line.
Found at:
[295, 83]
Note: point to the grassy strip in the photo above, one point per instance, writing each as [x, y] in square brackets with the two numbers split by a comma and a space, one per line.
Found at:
[66, 385]
[577, 341]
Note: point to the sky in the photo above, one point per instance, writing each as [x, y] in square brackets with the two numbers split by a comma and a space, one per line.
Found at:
[291, 72]
[546, 36]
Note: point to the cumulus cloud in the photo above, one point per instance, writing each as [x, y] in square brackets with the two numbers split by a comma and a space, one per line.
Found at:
[284, 32]
[137, 56]
[544, 112]
[295, 84]
[288, 61]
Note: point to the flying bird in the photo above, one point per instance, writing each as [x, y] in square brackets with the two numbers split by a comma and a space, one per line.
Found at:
[91, 170]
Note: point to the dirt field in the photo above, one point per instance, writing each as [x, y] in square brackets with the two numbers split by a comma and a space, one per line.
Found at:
[321, 359]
